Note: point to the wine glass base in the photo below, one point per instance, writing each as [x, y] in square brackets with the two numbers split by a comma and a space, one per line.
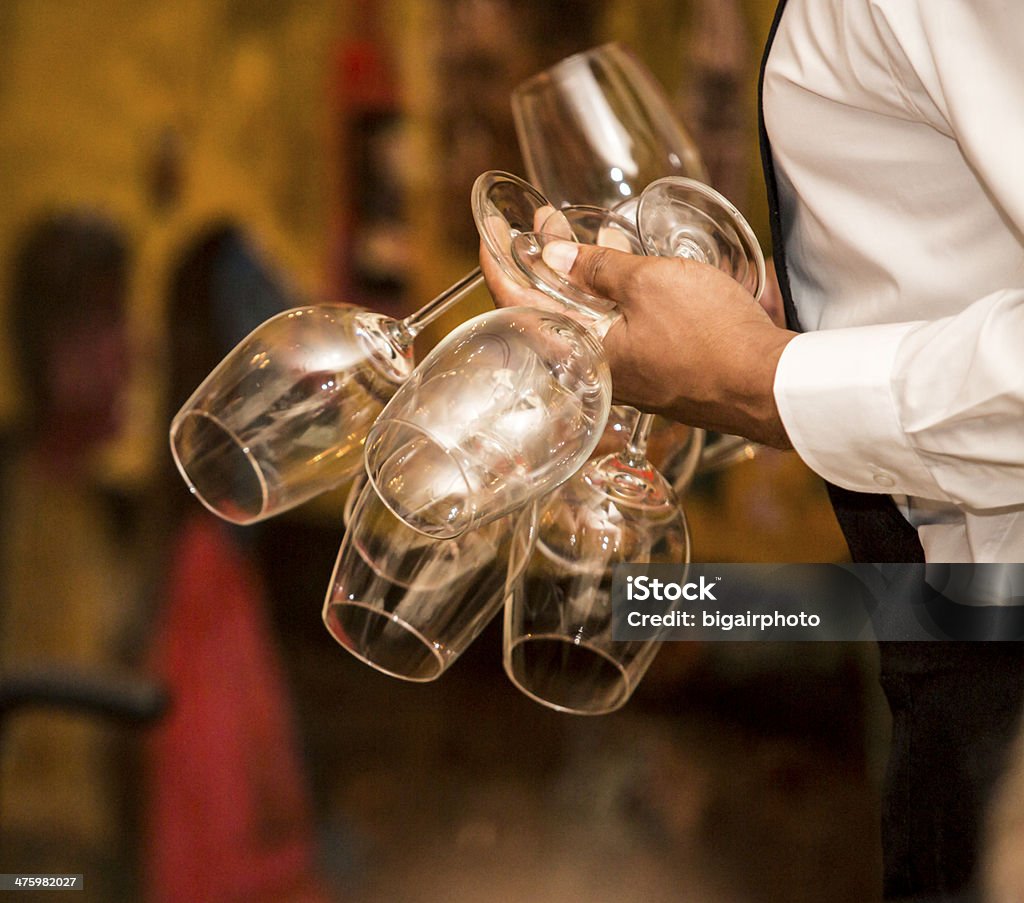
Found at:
[638, 486]
[679, 217]
[505, 206]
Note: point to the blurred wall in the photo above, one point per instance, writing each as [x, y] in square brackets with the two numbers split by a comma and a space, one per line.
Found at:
[166, 115]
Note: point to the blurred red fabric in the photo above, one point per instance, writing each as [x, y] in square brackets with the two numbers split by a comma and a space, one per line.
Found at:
[228, 815]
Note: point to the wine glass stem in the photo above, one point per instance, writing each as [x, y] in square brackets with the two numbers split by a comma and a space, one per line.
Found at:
[636, 447]
[414, 324]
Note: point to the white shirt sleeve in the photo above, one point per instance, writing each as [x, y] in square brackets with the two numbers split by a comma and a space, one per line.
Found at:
[933, 409]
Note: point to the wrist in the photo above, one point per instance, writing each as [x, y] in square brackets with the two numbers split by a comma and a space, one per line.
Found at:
[750, 389]
[736, 394]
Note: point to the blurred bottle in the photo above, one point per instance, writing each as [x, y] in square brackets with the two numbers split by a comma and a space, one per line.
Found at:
[370, 259]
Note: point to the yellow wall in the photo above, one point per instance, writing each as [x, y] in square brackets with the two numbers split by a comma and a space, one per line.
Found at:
[87, 89]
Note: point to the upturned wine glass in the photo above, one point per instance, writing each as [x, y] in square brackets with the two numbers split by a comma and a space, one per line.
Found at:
[504, 409]
[284, 416]
[408, 604]
[559, 647]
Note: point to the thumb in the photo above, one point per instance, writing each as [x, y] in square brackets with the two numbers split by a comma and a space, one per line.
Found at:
[605, 272]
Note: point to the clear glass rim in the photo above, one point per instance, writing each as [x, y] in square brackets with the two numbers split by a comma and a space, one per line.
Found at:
[394, 619]
[526, 519]
[246, 453]
[620, 700]
[479, 199]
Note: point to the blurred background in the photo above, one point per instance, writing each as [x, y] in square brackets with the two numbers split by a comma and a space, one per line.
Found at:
[172, 175]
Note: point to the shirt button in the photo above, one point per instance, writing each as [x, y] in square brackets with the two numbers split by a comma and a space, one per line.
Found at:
[884, 480]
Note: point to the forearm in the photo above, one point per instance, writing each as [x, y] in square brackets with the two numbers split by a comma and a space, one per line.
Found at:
[733, 393]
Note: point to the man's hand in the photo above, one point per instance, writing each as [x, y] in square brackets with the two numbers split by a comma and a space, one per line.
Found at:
[692, 344]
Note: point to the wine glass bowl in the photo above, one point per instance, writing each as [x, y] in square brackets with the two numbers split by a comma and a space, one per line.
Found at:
[409, 605]
[504, 409]
[597, 127]
[284, 415]
[558, 645]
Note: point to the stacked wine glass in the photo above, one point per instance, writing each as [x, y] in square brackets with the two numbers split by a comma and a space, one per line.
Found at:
[478, 479]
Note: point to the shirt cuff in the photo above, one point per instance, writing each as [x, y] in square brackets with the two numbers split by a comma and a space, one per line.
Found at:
[834, 390]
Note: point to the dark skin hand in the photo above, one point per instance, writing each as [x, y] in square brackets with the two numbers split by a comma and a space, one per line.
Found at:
[692, 344]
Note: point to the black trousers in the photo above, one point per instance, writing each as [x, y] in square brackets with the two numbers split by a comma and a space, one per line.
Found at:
[955, 709]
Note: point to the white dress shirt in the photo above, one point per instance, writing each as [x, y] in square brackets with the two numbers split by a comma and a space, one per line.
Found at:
[897, 130]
